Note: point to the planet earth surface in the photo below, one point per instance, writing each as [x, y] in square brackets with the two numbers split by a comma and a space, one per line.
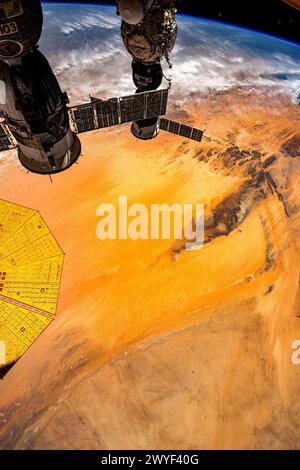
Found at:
[156, 347]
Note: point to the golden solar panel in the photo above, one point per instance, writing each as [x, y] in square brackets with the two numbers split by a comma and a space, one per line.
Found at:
[31, 264]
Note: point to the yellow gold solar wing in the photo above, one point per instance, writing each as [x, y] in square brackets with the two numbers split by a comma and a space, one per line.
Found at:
[31, 264]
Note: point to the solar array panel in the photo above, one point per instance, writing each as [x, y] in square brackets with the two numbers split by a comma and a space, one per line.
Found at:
[106, 112]
[31, 263]
[132, 108]
[83, 116]
[5, 139]
[99, 114]
[19, 329]
[181, 129]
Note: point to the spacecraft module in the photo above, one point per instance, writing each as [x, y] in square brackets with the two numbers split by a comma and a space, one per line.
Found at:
[152, 38]
[32, 105]
[31, 264]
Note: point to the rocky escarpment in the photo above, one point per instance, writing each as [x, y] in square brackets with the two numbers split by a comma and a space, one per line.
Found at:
[291, 148]
[257, 184]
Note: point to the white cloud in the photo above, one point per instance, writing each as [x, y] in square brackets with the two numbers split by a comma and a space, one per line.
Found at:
[89, 57]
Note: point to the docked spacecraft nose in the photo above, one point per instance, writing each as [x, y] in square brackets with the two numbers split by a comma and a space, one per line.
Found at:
[36, 113]
[21, 24]
[133, 11]
[146, 129]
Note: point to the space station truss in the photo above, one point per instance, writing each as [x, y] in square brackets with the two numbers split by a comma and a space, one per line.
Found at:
[31, 264]
[99, 114]
[181, 129]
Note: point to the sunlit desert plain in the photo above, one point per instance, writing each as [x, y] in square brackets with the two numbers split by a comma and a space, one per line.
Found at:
[155, 346]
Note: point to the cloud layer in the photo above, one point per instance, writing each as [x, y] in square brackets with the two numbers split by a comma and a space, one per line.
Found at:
[84, 46]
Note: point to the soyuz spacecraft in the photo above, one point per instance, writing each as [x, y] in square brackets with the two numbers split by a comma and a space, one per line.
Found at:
[32, 105]
[36, 119]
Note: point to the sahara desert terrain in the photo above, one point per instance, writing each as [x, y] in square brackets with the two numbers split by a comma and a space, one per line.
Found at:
[156, 347]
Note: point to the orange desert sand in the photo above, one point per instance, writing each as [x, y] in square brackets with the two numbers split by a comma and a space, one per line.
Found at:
[158, 347]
